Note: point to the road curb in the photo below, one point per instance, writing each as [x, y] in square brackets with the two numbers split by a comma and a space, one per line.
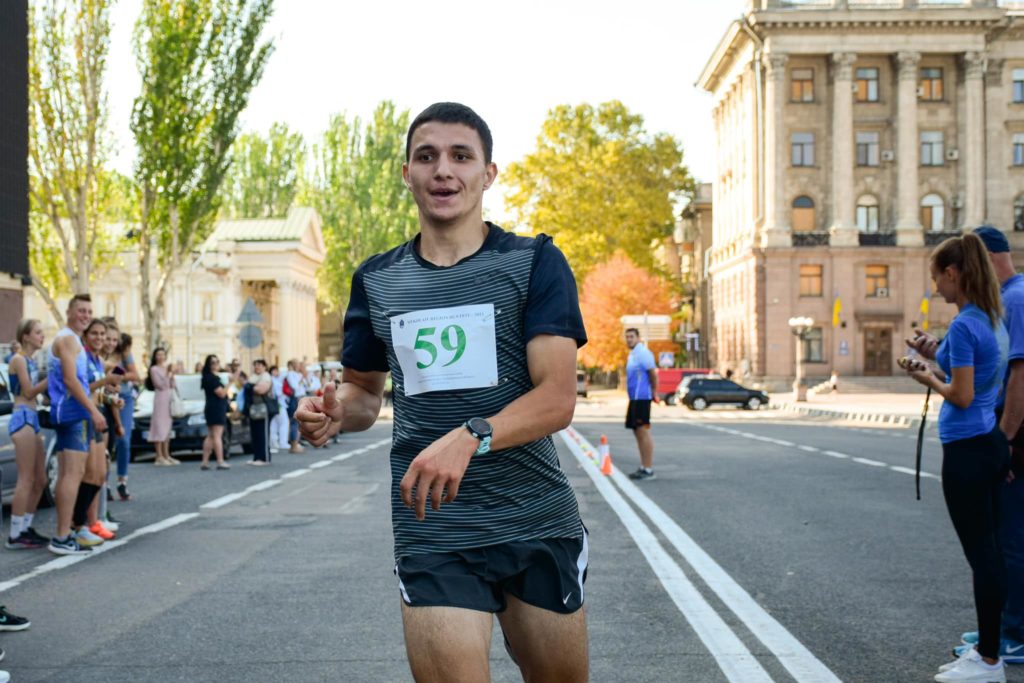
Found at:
[909, 421]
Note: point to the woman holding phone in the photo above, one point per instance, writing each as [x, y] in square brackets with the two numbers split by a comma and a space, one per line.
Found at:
[975, 453]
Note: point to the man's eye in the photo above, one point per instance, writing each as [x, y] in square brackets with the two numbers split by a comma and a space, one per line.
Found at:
[461, 157]
[426, 157]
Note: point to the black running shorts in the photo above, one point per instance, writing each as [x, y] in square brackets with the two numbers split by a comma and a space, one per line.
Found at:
[545, 573]
[638, 414]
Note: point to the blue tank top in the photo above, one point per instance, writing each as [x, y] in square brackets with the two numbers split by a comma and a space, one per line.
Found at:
[64, 407]
[33, 376]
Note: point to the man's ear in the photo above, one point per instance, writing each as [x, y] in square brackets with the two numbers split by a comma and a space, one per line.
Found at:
[405, 175]
[491, 173]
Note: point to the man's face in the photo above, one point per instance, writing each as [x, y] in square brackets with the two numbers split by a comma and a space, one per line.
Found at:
[446, 171]
[79, 315]
[632, 339]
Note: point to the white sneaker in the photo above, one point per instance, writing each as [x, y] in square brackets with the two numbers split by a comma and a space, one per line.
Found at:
[86, 538]
[949, 665]
[972, 668]
[4, 677]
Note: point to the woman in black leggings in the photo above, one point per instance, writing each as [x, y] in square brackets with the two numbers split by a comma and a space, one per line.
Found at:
[975, 454]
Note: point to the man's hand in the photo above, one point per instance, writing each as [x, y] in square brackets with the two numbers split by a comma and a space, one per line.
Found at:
[439, 466]
[320, 417]
[924, 343]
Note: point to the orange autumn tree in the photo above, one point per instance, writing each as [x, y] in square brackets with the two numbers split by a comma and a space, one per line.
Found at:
[611, 290]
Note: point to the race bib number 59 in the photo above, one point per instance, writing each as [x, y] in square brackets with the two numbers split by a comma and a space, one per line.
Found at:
[445, 349]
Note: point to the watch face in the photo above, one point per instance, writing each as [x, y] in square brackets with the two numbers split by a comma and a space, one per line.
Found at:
[480, 426]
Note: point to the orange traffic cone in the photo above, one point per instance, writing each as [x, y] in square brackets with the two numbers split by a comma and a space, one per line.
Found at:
[606, 456]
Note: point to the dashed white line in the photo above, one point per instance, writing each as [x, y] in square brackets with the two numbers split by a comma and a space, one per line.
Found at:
[869, 462]
[836, 454]
[809, 449]
[296, 473]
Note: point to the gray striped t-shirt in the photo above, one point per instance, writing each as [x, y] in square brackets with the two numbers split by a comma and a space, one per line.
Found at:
[514, 494]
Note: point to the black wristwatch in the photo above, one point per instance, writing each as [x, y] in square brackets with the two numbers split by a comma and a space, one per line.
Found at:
[480, 429]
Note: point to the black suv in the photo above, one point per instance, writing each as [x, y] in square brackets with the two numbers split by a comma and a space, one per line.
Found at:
[705, 391]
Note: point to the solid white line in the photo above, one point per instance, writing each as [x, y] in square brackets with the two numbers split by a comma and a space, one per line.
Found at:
[223, 500]
[867, 461]
[320, 463]
[791, 653]
[731, 655]
[263, 486]
[69, 560]
[296, 473]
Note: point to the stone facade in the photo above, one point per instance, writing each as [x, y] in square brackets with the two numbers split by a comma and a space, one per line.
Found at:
[853, 136]
[273, 261]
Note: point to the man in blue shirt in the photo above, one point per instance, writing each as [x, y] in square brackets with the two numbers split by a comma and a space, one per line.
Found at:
[641, 382]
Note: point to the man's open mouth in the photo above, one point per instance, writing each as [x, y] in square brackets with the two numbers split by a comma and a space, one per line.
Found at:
[444, 192]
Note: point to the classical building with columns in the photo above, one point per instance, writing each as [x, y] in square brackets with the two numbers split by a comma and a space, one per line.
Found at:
[273, 261]
[853, 136]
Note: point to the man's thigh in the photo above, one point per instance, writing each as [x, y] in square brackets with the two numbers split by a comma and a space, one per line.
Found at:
[447, 644]
[548, 646]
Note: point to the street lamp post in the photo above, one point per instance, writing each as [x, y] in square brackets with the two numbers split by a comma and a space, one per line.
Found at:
[800, 326]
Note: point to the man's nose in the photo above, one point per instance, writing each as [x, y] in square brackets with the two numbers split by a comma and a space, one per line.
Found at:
[443, 168]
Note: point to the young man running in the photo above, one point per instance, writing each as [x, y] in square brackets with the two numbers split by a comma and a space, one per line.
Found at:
[641, 382]
[479, 328]
[76, 417]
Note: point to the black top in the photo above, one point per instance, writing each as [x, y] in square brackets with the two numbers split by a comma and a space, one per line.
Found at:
[216, 410]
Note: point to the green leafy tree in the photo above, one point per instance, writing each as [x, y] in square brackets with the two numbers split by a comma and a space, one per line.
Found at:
[598, 183]
[356, 186]
[71, 193]
[199, 61]
[264, 175]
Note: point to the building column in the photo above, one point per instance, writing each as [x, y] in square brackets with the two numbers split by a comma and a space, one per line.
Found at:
[908, 221]
[776, 215]
[844, 232]
[974, 102]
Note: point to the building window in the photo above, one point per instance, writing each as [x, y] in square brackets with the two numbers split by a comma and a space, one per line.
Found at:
[801, 85]
[112, 307]
[933, 213]
[1018, 149]
[867, 85]
[802, 146]
[930, 88]
[1018, 85]
[876, 281]
[867, 214]
[811, 280]
[803, 214]
[931, 148]
[1018, 214]
[207, 309]
[867, 149]
[813, 345]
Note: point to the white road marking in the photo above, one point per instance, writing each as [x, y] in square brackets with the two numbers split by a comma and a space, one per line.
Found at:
[731, 655]
[836, 454]
[296, 473]
[320, 463]
[809, 449]
[868, 461]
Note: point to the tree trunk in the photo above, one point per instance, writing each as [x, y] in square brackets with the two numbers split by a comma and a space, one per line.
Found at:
[51, 304]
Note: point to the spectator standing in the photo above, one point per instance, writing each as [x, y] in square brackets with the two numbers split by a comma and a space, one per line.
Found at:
[160, 381]
[297, 388]
[29, 454]
[973, 360]
[641, 384]
[124, 359]
[279, 425]
[215, 412]
[258, 392]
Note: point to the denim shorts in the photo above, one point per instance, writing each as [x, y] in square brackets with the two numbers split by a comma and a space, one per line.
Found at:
[75, 436]
[21, 417]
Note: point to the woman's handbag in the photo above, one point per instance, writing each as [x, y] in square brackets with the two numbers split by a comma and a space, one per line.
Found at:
[177, 405]
[258, 411]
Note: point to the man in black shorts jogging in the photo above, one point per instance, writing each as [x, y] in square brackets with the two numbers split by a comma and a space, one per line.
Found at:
[479, 329]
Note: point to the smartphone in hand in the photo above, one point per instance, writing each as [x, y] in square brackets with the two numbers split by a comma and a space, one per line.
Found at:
[911, 364]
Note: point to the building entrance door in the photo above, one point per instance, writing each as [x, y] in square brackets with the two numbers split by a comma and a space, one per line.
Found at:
[878, 351]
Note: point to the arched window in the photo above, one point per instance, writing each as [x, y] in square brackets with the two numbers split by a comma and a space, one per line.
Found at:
[803, 214]
[867, 213]
[933, 213]
[1018, 214]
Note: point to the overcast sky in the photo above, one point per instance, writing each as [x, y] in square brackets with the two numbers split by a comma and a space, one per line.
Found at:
[512, 62]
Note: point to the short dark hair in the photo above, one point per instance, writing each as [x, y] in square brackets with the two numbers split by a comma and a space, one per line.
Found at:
[633, 330]
[259, 361]
[452, 112]
[79, 297]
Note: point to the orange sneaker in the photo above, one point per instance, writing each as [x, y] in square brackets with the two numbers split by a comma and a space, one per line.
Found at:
[101, 531]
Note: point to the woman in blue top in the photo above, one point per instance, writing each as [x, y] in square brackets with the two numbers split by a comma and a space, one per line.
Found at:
[975, 454]
[29, 454]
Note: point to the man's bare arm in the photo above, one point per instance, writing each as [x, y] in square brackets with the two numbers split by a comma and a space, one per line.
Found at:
[65, 349]
[1013, 410]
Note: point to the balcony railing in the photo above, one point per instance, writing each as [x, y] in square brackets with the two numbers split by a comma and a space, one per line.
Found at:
[877, 239]
[933, 238]
[810, 239]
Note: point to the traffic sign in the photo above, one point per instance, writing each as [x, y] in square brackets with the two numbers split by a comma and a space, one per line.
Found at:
[250, 336]
[250, 314]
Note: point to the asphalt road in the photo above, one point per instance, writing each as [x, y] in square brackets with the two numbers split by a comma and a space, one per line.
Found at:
[759, 553]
